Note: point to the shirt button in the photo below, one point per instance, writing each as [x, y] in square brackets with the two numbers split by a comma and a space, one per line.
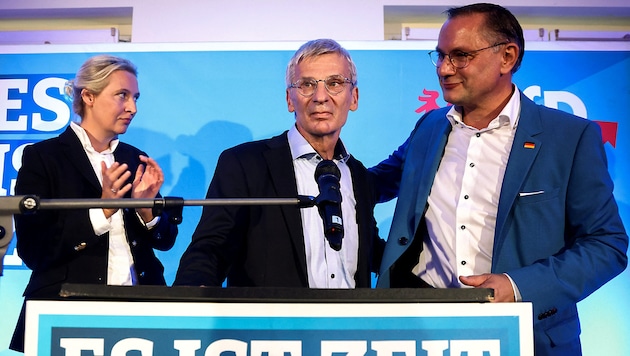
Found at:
[463, 227]
[478, 134]
[471, 165]
[466, 196]
[463, 263]
[332, 276]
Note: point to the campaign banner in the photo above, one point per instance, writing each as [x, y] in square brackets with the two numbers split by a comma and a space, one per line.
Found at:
[66, 328]
[198, 99]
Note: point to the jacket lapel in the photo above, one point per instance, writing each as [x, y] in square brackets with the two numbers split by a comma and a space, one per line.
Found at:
[364, 214]
[437, 135]
[75, 153]
[525, 148]
[279, 162]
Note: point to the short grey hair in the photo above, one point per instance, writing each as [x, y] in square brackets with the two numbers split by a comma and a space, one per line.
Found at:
[315, 48]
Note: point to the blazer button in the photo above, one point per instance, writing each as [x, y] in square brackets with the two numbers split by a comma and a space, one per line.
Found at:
[134, 243]
[547, 313]
[403, 241]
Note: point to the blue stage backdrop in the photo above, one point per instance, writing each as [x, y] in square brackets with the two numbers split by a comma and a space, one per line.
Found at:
[199, 99]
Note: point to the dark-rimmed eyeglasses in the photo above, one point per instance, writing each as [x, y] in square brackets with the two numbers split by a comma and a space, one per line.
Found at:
[334, 84]
[459, 59]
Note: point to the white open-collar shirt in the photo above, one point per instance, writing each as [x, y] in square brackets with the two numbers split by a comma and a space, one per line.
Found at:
[464, 198]
[120, 265]
[326, 267]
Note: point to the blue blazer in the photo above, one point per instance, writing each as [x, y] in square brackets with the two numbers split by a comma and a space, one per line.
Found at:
[559, 244]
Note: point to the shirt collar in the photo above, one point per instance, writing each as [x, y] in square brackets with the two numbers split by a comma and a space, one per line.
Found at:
[510, 113]
[300, 148]
[85, 139]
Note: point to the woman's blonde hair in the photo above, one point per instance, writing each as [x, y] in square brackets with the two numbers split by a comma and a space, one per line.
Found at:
[94, 77]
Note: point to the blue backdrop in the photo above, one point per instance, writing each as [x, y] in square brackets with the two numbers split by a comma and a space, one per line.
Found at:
[198, 99]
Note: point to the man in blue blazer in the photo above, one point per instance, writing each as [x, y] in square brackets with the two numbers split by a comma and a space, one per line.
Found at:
[498, 192]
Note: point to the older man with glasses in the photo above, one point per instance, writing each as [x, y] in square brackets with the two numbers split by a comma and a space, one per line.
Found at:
[284, 245]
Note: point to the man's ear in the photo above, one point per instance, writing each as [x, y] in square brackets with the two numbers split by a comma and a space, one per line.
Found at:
[355, 99]
[290, 105]
[510, 57]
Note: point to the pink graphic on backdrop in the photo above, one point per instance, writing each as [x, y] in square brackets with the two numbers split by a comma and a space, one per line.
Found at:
[430, 101]
[609, 129]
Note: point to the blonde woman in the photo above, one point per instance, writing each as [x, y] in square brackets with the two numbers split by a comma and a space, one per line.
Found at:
[92, 246]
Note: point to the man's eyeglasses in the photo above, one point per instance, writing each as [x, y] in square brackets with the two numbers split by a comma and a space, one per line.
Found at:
[459, 59]
[334, 84]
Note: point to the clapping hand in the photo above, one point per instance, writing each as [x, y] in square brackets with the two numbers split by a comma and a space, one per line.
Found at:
[114, 184]
[146, 184]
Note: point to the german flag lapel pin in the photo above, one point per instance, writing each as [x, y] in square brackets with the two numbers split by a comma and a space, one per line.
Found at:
[529, 145]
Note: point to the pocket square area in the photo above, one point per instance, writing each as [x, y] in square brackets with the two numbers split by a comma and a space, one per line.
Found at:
[526, 194]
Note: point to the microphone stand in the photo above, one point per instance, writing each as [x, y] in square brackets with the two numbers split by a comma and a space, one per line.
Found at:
[30, 204]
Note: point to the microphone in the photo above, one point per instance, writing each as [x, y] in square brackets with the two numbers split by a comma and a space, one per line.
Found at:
[328, 202]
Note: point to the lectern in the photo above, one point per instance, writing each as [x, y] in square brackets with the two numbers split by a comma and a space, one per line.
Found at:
[189, 321]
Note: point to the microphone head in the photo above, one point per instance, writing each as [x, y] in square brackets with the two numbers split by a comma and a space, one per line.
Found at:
[327, 175]
[326, 167]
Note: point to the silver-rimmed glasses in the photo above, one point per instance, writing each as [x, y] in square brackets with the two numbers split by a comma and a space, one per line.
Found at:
[334, 84]
[459, 59]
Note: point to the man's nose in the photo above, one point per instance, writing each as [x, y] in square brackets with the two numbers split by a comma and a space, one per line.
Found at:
[321, 93]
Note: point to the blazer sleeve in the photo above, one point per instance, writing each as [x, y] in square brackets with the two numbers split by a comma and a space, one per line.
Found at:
[585, 243]
[387, 175]
[221, 230]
